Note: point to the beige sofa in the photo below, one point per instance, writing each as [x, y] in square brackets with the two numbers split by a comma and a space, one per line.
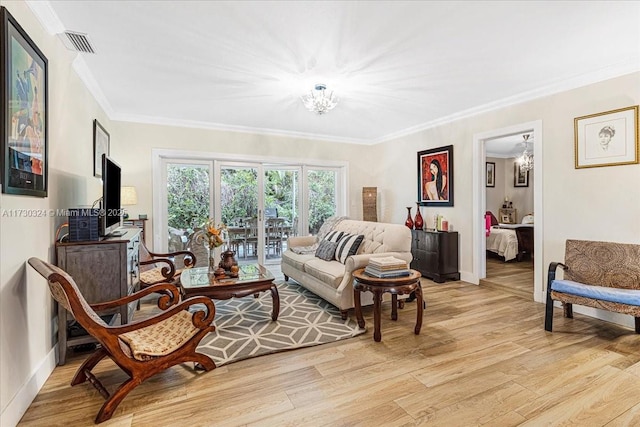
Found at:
[332, 280]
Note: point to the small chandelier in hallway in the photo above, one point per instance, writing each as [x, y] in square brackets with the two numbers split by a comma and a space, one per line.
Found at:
[526, 158]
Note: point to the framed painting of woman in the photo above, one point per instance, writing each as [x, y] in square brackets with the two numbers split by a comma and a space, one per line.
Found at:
[435, 176]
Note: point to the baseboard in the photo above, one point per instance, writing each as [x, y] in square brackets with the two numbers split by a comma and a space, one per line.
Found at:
[465, 276]
[16, 408]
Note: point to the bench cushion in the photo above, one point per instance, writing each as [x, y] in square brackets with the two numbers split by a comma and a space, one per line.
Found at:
[623, 296]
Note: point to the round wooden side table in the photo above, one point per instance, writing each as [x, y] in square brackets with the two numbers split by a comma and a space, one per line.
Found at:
[395, 286]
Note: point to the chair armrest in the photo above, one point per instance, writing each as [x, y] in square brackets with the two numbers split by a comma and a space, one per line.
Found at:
[189, 257]
[170, 295]
[201, 319]
[167, 272]
[301, 241]
[551, 275]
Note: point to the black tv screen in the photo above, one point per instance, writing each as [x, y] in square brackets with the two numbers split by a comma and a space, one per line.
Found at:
[111, 213]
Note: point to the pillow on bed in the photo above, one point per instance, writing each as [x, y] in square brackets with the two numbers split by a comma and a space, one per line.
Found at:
[528, 219]
[494, 220]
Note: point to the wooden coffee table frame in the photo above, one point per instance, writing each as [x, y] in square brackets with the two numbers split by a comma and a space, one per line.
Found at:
[233, 288]
[395, 286]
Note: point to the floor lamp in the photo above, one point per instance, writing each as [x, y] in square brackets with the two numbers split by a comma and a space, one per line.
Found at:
[370, 204]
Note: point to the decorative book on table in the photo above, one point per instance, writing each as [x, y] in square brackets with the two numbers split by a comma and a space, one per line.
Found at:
[386, 267]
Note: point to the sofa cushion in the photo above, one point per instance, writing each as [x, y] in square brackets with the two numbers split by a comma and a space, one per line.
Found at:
[326, 250]
[329, 272]
[347, 245]
[295, 260]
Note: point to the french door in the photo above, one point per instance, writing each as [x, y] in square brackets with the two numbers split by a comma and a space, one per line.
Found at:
[262, 203]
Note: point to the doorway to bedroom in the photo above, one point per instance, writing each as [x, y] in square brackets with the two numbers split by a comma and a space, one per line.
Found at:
[509, 194]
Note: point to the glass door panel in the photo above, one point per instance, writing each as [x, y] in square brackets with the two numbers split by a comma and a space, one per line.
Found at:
[188, 206]
[322, 201]
[281, 209]
[240, 210]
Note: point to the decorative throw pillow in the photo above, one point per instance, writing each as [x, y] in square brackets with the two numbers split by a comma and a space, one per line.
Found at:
[348, 245]
[334, 236]
[326, 250]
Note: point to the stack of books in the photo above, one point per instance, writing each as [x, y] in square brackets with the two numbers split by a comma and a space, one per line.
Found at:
[387, 267]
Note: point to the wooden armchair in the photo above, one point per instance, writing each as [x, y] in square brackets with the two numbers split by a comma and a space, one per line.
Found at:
[161, 268]
[141, 349]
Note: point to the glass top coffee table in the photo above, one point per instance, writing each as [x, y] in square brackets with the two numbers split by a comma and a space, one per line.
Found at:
[252, 279]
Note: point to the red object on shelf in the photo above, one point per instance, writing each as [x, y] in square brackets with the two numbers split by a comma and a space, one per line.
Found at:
[418, 222]
[409, 221]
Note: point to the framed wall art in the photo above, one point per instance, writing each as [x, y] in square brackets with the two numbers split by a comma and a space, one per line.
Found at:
[23, 111]
[100, 147]
[435, 177]
[520, 176]
[607, 139]
[490, 180]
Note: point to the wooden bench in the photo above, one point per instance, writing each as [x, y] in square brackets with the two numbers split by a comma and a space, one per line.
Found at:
[602, 275]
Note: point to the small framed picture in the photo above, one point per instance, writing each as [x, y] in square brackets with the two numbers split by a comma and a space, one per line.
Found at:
[100, 147]
[520, 176]
[490, 174]
[505, 219]
[607, 139]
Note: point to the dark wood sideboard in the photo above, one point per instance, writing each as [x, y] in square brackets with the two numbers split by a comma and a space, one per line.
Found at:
[104, 270]
[435, 254]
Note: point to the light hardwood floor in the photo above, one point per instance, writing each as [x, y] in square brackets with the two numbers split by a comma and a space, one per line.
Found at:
[515, 277]
[482, 358]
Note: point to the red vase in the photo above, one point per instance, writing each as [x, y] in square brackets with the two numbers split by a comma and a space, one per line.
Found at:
[418, 222]
[409, 221]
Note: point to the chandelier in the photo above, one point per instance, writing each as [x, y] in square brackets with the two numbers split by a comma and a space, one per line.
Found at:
[319, 101]
[526, 158]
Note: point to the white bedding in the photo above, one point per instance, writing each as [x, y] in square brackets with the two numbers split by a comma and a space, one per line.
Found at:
[503, 242]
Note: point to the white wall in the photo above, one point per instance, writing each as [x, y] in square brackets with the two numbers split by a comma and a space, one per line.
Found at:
[577, 203]
[27, 327]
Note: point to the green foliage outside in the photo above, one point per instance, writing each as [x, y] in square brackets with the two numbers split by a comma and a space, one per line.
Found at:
[188, 195]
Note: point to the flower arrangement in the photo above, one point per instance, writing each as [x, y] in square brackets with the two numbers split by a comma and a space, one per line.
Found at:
[215, 233]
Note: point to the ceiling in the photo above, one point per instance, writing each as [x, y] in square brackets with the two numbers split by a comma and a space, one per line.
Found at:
[397, 67]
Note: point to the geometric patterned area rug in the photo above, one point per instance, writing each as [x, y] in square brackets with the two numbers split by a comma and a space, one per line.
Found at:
[244, 327]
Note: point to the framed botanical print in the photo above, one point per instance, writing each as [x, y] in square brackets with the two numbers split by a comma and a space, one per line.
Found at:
[520, 176]
[100, 147]
[607, 139]
[23, 111]
[490, 180]
[435, 177]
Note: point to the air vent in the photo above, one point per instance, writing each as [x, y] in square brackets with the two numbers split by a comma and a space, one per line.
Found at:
[77, 41]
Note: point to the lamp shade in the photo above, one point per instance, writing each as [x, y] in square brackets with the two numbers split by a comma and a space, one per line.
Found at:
[128, 196]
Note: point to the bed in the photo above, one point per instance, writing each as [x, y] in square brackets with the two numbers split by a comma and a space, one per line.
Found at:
[510, 241]
[503, 242]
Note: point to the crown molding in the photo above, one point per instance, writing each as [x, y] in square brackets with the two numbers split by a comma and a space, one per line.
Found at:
[46, 15]
[630, 66]
[136, 118]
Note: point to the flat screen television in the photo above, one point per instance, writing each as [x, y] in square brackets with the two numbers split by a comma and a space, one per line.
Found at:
[111, 212]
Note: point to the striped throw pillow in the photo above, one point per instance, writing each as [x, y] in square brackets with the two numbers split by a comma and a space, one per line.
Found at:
[334, 236]
[348, 245]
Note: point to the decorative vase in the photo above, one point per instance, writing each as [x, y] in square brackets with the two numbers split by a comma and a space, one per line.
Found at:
[418, 222]
[409, 221]
[228, 260]
[213, 265]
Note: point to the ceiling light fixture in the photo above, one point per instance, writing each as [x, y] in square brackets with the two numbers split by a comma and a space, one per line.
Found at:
[526, 158]
[319, 101]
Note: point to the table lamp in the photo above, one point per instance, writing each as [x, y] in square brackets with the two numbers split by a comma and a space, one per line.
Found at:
[128, 197]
